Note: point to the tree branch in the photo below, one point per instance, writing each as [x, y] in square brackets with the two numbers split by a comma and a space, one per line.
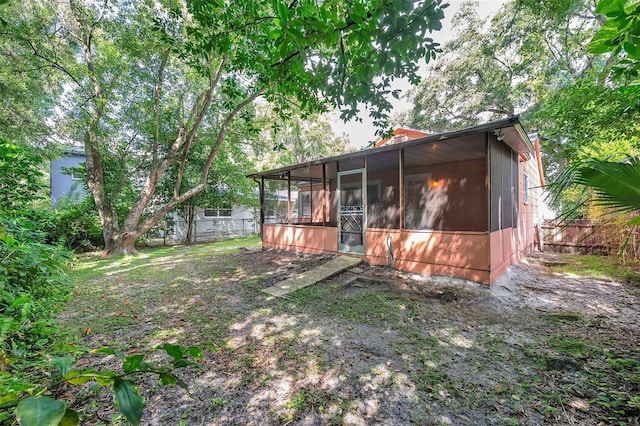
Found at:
[202, 185]
[156, 108]
[214, 79]
[222, 132]
[54, 64]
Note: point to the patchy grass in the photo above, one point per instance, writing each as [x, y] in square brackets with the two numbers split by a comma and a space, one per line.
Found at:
[607, 267]
[366, 307]
[138, 291]
[344, 353]
[599, 367]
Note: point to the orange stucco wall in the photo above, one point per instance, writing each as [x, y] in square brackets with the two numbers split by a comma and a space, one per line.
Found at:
[458, 254]
[301, 238]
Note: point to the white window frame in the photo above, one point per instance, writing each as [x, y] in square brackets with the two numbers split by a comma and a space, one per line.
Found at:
[212, 212]
[525, 184]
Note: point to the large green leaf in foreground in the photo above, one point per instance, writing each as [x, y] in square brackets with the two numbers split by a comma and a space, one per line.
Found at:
[40, 411]
[129, 400]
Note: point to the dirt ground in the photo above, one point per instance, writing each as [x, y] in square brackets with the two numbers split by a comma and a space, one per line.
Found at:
[372, 346]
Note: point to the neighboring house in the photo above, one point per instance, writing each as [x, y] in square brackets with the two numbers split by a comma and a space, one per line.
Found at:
[208, 224]
[66, 185]
[401, 134]
[212, 224]
[461, 204]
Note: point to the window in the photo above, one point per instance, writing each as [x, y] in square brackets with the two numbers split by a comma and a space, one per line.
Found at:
[373, 193]
[526, 188]
[416, 197]
[217, 212]
[304, 201]
[383, 190]
[76, 176]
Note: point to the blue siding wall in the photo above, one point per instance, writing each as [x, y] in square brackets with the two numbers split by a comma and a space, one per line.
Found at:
[62, 185]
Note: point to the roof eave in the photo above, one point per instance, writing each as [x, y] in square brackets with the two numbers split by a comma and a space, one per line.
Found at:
[513, 121]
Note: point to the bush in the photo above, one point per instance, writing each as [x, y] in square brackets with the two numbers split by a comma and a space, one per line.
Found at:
[32, 284]
[76, 226]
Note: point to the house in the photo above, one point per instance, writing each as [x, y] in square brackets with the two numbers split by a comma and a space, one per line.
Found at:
[67, 185]
[207, 224]
[401, 134]
[213, 224]
[461, 204]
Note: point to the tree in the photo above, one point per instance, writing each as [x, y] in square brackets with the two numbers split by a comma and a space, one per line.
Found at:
[614, 184]
[147, 77]
[20, 178]
[226, 182]
[505, 66]
[620, 35]
[586, 119]
[296, 140]
[29, 86]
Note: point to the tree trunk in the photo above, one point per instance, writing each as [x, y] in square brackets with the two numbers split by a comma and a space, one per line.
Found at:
[190, 215]
[121, 243]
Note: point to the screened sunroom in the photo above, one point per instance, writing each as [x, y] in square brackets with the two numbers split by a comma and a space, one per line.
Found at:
[452, 204]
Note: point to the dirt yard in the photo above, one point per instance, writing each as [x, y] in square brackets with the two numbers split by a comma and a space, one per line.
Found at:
[370, 346]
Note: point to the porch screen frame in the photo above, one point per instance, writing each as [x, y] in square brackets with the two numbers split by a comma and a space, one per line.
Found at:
[363, 185]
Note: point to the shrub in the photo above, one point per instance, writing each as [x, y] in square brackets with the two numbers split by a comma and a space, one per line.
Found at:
[76, 226]
[32, 283]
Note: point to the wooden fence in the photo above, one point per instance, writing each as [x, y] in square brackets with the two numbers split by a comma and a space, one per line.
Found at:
[586, 236]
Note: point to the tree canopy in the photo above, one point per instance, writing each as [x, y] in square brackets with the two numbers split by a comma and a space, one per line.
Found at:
[532, 59]
[142, 83]
[503, 65]
[295, 140]
[611, 175]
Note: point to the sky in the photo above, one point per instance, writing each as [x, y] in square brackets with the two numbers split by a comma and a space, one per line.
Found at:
[360, 133]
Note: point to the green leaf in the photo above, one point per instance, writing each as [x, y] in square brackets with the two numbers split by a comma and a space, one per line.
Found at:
[106, 378]
[609, 7]
[332, 38]
[132, 363]
[604, 40]
[174, 351]
[274, 34]
[9, 397]
[79, 377]
[70, 418]
[63, 364]
[106, 351]
[283, 11]
[40, 411]
[632, 49]
[617, 184]
[195, 353]
[129, 400]
[181, 363]
[168, 379]
[109, 351]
